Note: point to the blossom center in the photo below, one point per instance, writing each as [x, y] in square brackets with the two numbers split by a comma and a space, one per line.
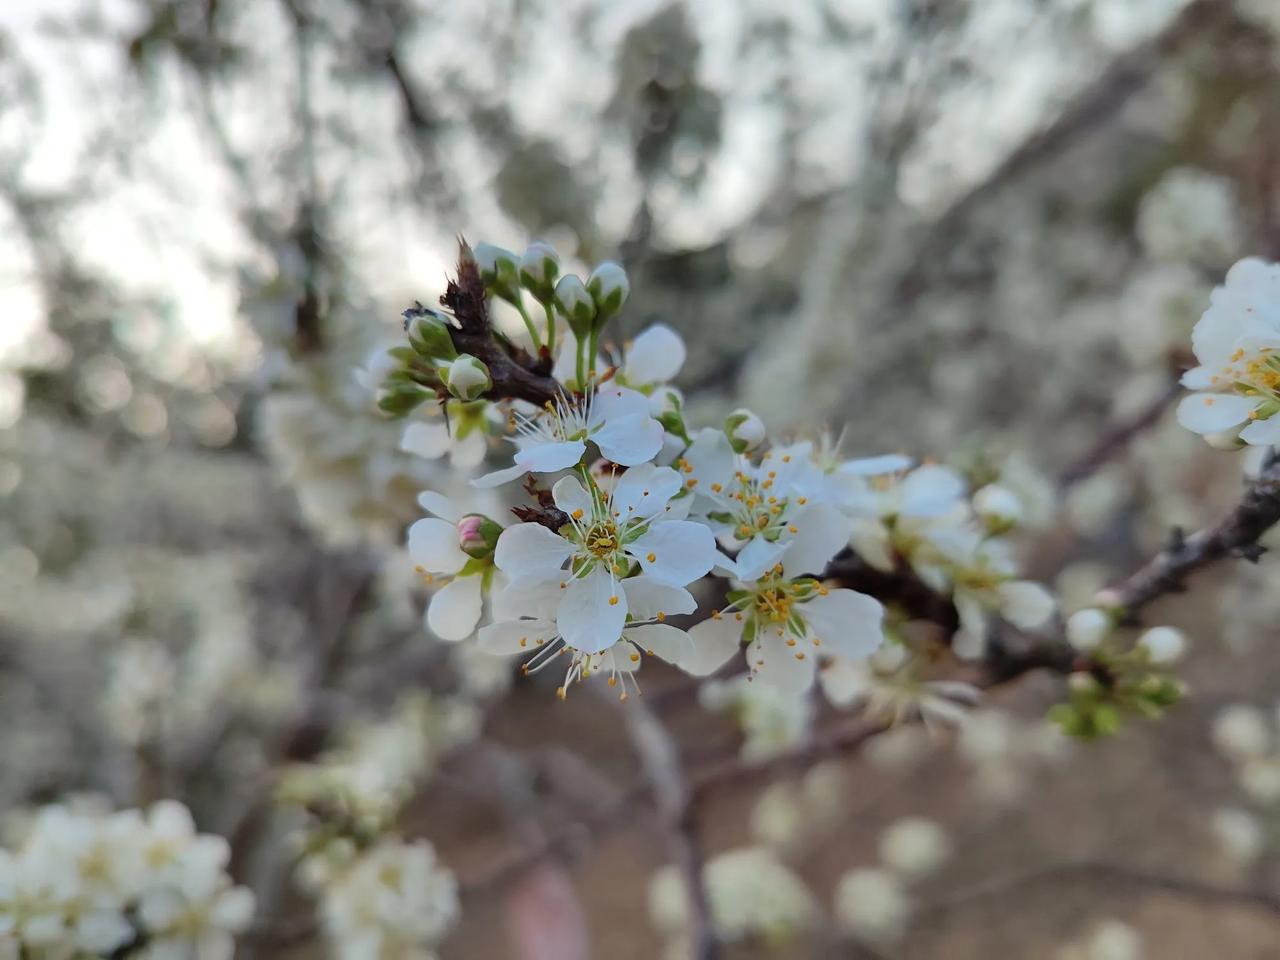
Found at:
[601, 539]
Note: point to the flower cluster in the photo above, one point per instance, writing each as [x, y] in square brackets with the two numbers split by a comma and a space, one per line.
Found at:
[1246, 736]
[88, 883]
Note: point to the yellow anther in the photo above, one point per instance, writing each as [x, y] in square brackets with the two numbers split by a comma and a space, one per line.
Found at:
[613, 681]
[791, 528]
[613, 601]
[561, 692]
[577, 514]
[651, 556]
[786, 458]
[716, 488]
[635, 658]
[661, 616]
[802, 500]
[800, 655]
[524, 641]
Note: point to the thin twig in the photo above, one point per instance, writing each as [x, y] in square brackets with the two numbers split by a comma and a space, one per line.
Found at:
[1116, 439]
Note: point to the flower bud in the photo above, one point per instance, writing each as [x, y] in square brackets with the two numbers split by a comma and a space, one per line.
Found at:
[1083, 682]
[1225, 439]
[998, 505]
[467, 378]
[1163, 644]
[499, 269]
[539, 268]
[744, 429]
[575, 304]
[609, 288]
[429, 337]
[478, 535]
[1087, 628]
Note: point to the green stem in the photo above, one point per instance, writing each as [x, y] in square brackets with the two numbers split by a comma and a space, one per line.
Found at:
[595, 349]
[528, 325]
[551, 330]
[582, 375]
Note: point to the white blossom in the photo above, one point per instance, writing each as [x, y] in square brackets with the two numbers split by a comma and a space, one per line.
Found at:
[914, 847]
[1087, 628]
[1163, 645]
[872, 904]
[450, 548]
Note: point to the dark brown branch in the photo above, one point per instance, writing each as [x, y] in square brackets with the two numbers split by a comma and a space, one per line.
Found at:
[900, 587]
[1235, 535]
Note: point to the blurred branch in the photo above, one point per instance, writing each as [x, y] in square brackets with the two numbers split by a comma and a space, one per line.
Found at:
[677, 807]
[1116, 439]
[1094, 871]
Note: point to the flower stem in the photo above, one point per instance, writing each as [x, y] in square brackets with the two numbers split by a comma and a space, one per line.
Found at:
[528, 325]
[551, 329]
[594, 348]
[582, 375]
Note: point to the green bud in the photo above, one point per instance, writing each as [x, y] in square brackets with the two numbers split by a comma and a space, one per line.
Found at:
[467, 378]
[430, 339]
[575, 305]
[499, 269]
[609, 288]
[478, 536]
[399, 400]
[744, 429]
[539, 268]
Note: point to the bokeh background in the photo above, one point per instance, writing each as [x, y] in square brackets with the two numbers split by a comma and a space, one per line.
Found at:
[963, 229]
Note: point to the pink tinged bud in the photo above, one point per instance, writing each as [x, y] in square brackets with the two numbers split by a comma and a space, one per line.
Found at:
[469, 533]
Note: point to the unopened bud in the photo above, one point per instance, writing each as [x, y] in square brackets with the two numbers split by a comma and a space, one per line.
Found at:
[499, 269]
[998, 505]
[1082, 682]
[745, 430]
[478, 535]
[1164, 644]
[429, 337]
[467, 378]
[539, 268]
[1225, 439]
[575, 304]
[1087, 628]
[609, 287]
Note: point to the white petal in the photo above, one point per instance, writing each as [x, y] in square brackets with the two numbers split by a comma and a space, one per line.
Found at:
[711, 459]
[848, 623]
[845, 682]
[875, 466]
[972, 611]
[498, 477]
[533, 596]
[592, 612]
[1211, 412]
[1025, 604]
[1198, 378]
[551, 457]
[529, 549]
[821, 532]
[469, 451]
[433, 545]
[647, 597]
[440, 505]
[756, 557]
[968, 646]
[515, 636]
[429, 440]
[1263, 433]
[788, 669]
[655, 356]
[570, 496]
[870, 540]
[455, 610]
[930, 491]
[681, 550]
[630, 440]
[715, 640]
[612, 401]
[671, 644]
[233, 910]
[644, 491]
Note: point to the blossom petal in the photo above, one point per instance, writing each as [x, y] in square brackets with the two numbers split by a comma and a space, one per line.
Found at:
[469, 451]
[428, 440]
[847, 622]
[1263, 433]
[710, 458]
[655, 356]
[571, 496]
[675, 551]
[870, 540]
[630, 440]
[528, 549]
[789, 670]
[1025, 604]
[433, 545]
[498, 477]
[670, 643]
[440, 505]
[647, 597]
[821, 532]
[551, 457]
[930, 491]
[454, 612]
[612, 402]
[515, 636]
[1211, 412]
[972, 612]
[592, 612]
[756, 557]
[644, 491]
[532, 596]
[715, 640]
[875, 466]
[845, 682]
